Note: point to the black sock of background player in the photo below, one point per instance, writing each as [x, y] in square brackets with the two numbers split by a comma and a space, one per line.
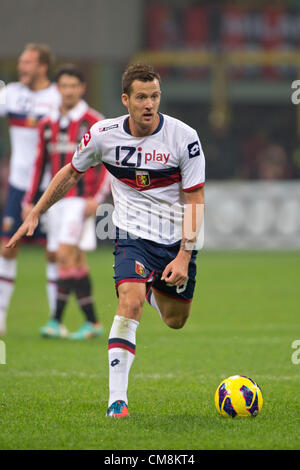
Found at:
[83, 291]
[64, 288]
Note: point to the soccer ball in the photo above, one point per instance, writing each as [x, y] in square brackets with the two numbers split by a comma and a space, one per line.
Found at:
[238, 396]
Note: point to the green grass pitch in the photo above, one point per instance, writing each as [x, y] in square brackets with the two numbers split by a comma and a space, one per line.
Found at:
[245, 316]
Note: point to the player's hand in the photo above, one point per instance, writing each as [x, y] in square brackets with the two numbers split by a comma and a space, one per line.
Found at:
[176, 272]
[26, 209]
[27, 228]
[90, 207]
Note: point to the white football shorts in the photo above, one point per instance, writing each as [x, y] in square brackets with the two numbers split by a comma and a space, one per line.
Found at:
[66, 224]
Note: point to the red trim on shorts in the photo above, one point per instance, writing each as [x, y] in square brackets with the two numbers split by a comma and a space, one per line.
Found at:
[134, 279]
[129, 280]
[185, 301]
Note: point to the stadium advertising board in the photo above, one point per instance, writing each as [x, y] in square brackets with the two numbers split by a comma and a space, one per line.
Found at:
[252, 215]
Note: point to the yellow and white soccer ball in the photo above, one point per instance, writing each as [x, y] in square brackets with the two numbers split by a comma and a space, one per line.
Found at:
[238, 396]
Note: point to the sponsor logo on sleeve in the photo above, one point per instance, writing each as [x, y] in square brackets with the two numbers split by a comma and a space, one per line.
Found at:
[194, 149]
[86, 138]
[103, 129]
[84, 141]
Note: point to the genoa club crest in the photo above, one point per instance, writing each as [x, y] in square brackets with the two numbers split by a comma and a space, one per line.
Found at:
[31, 121]
[140, 269]
[142, 178]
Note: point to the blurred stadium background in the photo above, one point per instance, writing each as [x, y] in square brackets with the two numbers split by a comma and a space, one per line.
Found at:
[227, 70]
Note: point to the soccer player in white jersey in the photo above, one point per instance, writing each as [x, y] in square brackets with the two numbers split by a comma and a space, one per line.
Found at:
[24, 103]
[158, 174]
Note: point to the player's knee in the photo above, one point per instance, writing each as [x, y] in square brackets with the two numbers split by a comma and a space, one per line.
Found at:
[131, 300]
[130, 306]
[176, 322]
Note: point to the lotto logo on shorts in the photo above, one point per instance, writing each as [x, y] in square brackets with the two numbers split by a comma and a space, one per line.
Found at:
[194, 149]
[140, 269]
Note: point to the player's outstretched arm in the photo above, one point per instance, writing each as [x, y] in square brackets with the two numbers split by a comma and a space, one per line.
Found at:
[62, 182]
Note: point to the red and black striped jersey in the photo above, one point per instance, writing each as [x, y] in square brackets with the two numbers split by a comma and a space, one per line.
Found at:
[59, 135]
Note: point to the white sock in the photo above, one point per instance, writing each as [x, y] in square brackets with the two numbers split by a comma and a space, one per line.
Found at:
[121, 352]
[8, 273]
[51, 273]
[152, 301]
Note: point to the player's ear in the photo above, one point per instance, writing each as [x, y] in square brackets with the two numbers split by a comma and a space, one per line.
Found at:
[125, 99]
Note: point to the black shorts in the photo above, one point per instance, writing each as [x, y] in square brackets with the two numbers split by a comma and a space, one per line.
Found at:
[141, 260]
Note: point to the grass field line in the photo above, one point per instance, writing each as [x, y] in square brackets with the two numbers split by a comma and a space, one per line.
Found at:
[144, 376]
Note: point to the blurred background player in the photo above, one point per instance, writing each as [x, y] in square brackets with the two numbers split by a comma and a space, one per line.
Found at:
[24, 103]
[71, 222]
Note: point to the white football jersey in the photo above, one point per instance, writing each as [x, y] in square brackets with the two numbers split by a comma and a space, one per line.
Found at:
[24, 108]
[149, 174]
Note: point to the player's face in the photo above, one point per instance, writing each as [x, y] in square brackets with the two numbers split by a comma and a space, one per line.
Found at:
[71, 90]
[29, 68]
[143, 103]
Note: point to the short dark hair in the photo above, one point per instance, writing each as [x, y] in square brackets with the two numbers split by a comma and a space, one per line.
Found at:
[45, 53]
[71, 70]
[142, 72]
